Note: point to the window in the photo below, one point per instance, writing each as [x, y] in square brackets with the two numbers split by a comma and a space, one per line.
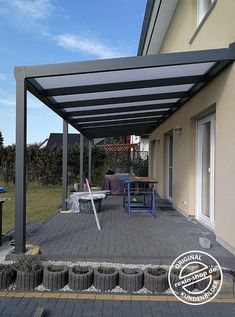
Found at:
[202, 8]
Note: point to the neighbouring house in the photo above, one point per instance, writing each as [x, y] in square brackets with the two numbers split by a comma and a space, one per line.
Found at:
[56, 139]
[108, 144]
[192, 152]
[141, 141]
[119, 144]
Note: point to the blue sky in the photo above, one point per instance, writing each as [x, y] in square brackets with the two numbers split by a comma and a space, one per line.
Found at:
[52, 31]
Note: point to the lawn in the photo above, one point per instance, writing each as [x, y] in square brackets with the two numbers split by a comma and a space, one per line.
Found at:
[42, 202]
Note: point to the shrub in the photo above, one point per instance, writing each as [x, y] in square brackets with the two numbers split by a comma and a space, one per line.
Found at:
[27, 264]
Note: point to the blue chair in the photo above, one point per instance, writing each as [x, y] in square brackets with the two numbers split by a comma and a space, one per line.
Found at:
[2, 190]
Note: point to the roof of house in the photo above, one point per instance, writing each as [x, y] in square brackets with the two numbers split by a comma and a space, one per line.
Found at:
[56, 139]
[157, 18]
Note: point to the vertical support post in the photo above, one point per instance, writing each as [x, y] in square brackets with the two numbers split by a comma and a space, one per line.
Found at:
[20, 167]
[89, 160]
[1, 203]
[81, 162]
[65, 165]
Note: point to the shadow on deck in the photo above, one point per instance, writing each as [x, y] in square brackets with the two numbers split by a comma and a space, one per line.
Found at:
[141, 239]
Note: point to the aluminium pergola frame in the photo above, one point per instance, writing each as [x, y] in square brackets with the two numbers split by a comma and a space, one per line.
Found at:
[20, 183]
[132, 95]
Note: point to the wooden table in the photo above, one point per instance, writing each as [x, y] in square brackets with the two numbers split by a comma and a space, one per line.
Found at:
[138, 179]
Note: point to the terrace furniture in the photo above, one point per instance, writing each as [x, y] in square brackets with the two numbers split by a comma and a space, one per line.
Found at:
[77, 196]
[146, 190]
[2, 190]
[2, 201]
[112, 183]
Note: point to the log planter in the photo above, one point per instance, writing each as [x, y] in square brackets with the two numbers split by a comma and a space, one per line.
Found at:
[131, 280]
[55, 277]
[29, 280]
[29, 272]
[80, 277]
[105, 278]
[204, 284]
[7, 276]
[174, 277]
[156, 279]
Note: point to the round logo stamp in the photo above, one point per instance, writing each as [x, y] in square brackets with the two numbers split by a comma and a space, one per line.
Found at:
[195, 277]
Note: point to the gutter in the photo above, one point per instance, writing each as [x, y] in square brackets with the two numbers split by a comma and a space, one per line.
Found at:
[145, 26]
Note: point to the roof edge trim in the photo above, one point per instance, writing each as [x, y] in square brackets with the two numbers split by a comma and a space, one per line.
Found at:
[145, 25]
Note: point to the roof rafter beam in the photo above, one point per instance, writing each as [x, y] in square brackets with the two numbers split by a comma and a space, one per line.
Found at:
[116, 116]
[215, 70]
[118, 132]
[140, 124]
[117, 111]
[120, 108]
[117, 121]
[47, 102]
[126, 99]
[136, 84]
[131, 130]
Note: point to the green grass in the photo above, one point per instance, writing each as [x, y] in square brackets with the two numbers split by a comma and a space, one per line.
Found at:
[42, 202]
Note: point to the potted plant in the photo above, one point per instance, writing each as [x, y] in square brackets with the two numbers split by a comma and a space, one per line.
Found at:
[204, 283]
[7, 276]
[131, 280]
[156, 279]
[105, 278]
[80, 277]
[29, 272]
[55, 277]
[174, 277]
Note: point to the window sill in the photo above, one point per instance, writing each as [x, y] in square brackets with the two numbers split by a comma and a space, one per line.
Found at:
[202, 21]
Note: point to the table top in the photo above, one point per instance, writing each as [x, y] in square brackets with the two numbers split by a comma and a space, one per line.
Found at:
[143, 179]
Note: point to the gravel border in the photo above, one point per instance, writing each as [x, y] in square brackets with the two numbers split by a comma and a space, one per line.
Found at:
[7, 248]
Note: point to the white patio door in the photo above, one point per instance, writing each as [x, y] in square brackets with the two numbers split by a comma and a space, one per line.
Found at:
[206, 170]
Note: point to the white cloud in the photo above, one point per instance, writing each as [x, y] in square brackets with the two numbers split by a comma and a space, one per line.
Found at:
[32, 102]
[86, 46]
[3, 76]
[36, 9]
[8, 101]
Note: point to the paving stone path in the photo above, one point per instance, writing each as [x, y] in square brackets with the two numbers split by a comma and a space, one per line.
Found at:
[26, 307]
[141, 239]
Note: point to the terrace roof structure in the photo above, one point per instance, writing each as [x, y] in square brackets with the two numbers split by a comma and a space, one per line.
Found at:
[113, 97]
[122, 96]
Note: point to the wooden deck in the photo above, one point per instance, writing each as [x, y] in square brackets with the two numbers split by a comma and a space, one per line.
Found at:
[141, 239]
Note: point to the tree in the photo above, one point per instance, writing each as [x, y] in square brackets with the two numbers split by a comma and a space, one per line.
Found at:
[1, 140]
[1, 149]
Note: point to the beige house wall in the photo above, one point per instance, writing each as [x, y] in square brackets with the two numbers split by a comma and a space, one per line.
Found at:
[218, 95]
[217, 31]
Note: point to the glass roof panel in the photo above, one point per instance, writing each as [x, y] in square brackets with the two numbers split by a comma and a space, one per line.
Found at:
[119, 124]
[124, 75]
[123, 119]
[118, 113]
[123, 105]
[123, 93]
